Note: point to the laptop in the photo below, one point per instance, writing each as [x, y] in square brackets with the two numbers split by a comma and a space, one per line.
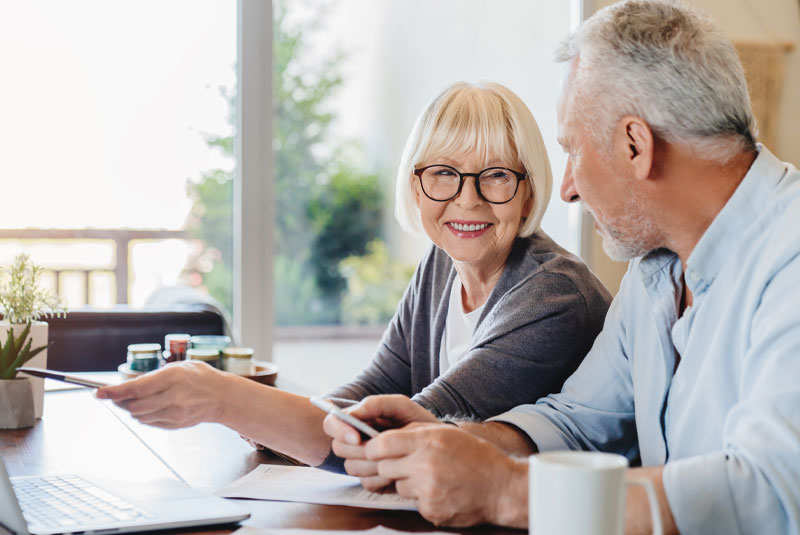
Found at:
[45, 505]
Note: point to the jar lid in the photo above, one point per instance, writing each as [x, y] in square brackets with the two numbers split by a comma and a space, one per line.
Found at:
[215, 340]
[238, 352]
[144, 348]
[201, 353]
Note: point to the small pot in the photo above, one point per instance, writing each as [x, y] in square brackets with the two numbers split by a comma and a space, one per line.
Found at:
[16, 404]
[38, 335]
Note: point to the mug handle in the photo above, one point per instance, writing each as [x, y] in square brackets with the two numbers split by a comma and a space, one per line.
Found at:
[655, 512]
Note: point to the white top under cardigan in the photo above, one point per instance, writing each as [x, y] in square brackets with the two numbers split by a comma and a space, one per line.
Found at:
[458, 330]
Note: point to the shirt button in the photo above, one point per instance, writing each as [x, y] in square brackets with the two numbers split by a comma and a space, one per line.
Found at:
[694, 276]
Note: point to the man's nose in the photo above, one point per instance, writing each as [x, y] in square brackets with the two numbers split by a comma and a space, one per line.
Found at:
[568, 191]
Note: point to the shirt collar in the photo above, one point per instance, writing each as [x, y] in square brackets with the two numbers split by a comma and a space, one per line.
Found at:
[744, 206]
[654, 261]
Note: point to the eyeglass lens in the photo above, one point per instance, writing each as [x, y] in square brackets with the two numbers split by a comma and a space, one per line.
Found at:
[441, 183]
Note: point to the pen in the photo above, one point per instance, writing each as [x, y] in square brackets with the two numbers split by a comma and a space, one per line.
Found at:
[61, 376]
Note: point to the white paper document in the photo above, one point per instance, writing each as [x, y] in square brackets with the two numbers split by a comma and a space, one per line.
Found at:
[310, 485]
[378, 530]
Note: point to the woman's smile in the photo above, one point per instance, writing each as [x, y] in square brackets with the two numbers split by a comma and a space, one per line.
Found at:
[467, 229]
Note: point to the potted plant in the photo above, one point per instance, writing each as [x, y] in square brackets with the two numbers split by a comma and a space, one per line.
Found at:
[23, 340]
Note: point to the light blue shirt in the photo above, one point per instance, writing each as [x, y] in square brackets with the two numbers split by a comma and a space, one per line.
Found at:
[727, 423]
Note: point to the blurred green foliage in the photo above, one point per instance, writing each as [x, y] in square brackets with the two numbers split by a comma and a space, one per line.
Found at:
[345, 215]
[375, 284]
[328, 209]
[211, 219]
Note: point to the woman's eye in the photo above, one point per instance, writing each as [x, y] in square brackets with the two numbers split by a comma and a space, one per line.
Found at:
[496, 176]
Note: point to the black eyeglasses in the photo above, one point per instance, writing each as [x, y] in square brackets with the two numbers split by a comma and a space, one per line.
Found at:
[495, 185]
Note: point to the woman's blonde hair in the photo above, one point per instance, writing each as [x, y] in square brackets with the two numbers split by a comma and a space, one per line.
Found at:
[486, 118]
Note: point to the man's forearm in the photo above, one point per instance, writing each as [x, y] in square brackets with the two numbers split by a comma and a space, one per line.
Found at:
[637, 507]
[506, 437]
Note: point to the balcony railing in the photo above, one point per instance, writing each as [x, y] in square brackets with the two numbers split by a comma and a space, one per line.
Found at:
[121, 238]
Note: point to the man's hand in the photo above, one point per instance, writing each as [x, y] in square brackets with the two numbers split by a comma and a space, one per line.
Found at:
[456, 478]
[182, 394]
[381, 412]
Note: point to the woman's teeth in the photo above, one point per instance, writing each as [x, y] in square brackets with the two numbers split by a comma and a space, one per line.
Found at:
[469, 228]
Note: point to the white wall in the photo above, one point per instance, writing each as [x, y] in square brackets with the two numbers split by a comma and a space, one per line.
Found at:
[745, 20]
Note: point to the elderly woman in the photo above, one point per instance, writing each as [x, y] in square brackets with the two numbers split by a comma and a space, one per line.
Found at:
[496, 314]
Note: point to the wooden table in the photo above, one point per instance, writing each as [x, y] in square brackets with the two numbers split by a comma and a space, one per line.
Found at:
[80, 434]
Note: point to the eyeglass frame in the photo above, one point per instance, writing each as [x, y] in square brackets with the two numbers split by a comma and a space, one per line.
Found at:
[520, 177]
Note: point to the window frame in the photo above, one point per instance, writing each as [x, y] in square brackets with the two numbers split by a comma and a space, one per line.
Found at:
[253, 198]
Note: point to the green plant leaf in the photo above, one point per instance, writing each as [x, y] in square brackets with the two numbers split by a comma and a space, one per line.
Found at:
[23, 336]
[8, 374]
[3, 357]
[6, 354]
[11, 372]
[35, 352]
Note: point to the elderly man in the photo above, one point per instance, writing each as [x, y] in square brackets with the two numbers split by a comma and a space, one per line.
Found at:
[695, 374]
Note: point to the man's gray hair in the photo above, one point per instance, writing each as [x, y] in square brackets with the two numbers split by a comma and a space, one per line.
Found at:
[666, 63]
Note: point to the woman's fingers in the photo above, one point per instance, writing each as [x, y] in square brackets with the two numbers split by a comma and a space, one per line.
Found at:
[178, 395]
[139, 407]
[361, 467]
[340, 431]
[348, 451]
[377, 484]
[394, 408]
[143, 386]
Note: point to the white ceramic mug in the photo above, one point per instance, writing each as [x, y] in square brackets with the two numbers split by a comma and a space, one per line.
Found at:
[579, 492]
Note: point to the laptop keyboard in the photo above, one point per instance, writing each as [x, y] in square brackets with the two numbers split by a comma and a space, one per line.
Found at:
[70, 501]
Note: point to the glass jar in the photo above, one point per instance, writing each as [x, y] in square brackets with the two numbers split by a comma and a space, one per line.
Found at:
[209, 356]
[175, 346]
[144, 357]
[237, 360]
[210, 341]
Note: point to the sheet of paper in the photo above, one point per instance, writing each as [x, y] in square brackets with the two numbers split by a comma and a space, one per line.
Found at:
[310, 485]
[378, 530]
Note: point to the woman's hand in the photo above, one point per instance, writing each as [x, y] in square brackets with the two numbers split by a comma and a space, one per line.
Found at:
[381, 412]
[181, 394]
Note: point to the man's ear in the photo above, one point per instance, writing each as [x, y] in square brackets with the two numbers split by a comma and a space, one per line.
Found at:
[634, 145]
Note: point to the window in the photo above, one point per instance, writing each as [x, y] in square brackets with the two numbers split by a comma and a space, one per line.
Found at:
[111, 113]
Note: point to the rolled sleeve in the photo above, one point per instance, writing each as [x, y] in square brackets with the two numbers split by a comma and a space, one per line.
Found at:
[541, 431]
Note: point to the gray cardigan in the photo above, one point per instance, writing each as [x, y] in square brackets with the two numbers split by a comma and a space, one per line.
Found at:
[537, 325]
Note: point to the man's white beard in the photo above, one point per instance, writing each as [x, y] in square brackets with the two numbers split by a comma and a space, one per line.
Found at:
[622, 247]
